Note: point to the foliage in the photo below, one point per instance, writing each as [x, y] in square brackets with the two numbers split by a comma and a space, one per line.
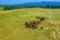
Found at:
[10, 7]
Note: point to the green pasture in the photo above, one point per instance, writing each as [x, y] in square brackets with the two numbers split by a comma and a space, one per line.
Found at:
[12, 24]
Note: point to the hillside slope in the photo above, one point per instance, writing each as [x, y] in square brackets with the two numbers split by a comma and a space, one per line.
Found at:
[12, 24]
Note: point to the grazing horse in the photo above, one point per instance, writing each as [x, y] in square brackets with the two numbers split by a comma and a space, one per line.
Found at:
[32, 24]
[28, 24]
[41, 18]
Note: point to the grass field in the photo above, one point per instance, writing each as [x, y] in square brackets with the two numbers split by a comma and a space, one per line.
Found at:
[12, 24]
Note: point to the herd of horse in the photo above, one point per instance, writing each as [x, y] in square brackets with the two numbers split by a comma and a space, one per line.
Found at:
[34, 24]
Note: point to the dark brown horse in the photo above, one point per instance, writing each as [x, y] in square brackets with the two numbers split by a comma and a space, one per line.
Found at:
[32, 24]
[41, 18]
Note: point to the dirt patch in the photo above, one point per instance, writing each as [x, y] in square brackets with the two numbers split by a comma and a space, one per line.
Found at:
[57, 22]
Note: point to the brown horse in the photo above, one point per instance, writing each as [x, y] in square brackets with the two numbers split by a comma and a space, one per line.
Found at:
[41, 18]
[32, 24]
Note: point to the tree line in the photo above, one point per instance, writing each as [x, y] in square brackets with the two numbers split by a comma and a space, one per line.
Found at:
[10, 7]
